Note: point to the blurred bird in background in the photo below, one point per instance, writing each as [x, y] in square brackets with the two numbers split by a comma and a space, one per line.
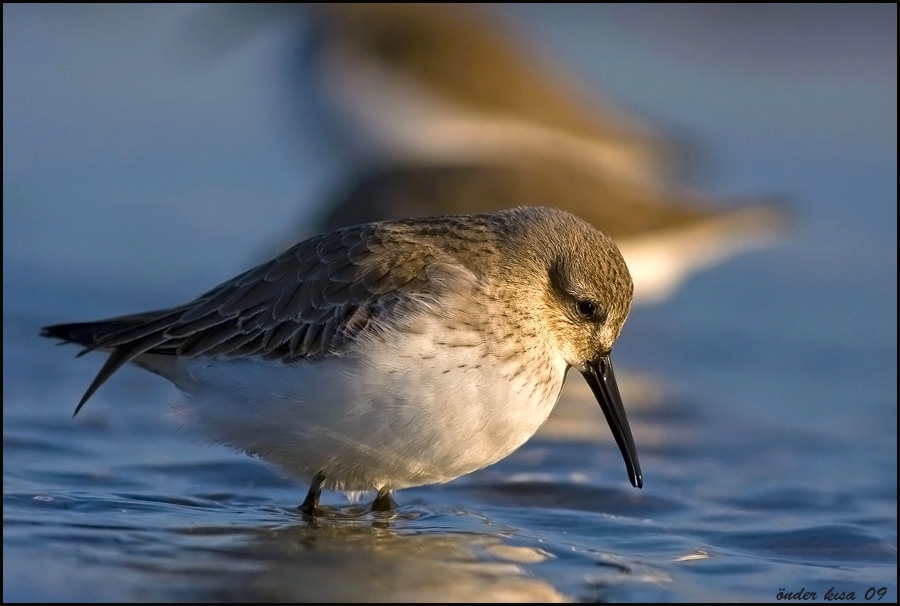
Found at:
[446, 83]
[441, 108]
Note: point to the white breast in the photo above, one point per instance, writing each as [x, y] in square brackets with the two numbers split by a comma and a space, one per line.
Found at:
[412, 408]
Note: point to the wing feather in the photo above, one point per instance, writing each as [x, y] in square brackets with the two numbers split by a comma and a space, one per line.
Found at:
[314, 300]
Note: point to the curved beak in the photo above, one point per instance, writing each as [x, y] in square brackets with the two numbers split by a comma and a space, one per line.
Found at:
[599, 375]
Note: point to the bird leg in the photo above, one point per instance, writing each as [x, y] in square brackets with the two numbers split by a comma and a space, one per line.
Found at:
[310, 504]
[384, 501]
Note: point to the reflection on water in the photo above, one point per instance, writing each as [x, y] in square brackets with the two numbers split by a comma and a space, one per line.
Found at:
[314, 563]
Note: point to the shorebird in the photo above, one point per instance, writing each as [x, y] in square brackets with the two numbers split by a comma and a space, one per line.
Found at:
[390, 354]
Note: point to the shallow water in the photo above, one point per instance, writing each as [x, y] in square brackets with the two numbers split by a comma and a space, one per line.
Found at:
[762, 397]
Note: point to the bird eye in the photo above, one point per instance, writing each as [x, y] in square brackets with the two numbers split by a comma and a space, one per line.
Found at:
[586, 309]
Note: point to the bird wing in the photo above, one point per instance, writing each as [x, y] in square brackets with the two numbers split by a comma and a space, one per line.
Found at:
[316, 299]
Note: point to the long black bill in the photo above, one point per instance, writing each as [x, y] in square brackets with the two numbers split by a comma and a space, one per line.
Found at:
[599, 375]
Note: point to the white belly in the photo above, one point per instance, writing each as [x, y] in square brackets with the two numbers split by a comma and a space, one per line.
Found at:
[421, 409]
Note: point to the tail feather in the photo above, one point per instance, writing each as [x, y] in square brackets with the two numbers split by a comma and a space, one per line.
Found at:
[80, 333]
[102, 335]
[117, 358]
